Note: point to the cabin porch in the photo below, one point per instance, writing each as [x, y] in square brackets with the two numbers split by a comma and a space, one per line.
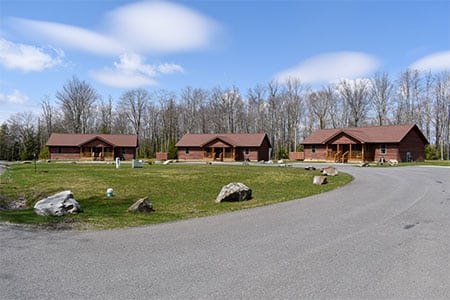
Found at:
[343, 153]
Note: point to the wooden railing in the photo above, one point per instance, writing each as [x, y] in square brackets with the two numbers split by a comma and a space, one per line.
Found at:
[96, 156]
[356, 154]
[221, 156]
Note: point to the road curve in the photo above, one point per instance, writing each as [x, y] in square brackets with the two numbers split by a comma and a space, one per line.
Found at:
[384, 235]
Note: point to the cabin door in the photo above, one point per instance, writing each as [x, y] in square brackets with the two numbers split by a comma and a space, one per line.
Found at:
[218, 153]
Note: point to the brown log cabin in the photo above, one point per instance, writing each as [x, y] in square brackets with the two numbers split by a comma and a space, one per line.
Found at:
[224, 147]
[92, 146]
[403, 143]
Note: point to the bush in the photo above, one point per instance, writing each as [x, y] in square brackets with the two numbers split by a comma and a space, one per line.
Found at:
[432, 152]
[282, 153]
[44, 153]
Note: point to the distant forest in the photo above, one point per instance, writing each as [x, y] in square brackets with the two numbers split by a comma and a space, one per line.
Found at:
[287, 112]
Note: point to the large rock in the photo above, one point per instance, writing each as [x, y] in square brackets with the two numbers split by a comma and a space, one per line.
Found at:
[234, 192]
[57, 205]
[319, 180]
[329, 171]
[142, 205]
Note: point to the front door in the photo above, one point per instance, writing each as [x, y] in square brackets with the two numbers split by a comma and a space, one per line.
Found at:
[218, 154]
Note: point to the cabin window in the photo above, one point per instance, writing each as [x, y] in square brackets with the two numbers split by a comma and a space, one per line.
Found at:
[247, 151]
[60, 150]
[124, 150]
[187, 150]
[313, 149]
[383, 149]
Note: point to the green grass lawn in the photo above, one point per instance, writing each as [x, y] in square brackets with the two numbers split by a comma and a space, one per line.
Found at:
[177, 191]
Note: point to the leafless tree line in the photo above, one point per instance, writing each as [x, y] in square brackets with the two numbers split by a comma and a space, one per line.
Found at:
[287, 112]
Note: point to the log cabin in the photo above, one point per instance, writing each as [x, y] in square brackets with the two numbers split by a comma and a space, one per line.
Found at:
[92, 146]
[404, 143]
[224, 147]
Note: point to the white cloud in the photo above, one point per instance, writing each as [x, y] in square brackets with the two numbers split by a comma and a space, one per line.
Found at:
[131, 71]
[68, 36]
[160, 26]
[28, 58]
[170, 68]
[14, 98]
[439, 61]
[142, 27]
[331, 67]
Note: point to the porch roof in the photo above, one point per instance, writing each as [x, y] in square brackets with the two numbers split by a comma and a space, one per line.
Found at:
[71, 140]
[373, 134]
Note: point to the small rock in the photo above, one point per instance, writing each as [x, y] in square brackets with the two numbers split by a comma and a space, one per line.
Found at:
[142, 205]
[393, 162]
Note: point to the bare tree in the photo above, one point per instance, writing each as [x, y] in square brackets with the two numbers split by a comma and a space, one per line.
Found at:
[408, 95]
[168, 114]
[382, 89]
[133, 104]
[47, 115]
[105, 110]
[76, 100]
[23, 125]
[231, 103]
[121, 124]
[355, 94]
[294, 95]
[442, 111]
[193, 101]
[319, 104]
[257, 116]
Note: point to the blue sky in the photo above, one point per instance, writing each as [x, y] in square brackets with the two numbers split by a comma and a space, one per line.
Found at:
[120, 45]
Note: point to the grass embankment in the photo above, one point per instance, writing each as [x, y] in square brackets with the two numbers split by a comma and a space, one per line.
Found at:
[177, 191]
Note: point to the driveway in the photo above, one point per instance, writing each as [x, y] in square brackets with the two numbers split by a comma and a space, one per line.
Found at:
[385, 235]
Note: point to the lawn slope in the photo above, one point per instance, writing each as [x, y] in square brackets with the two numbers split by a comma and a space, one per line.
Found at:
[177, 191]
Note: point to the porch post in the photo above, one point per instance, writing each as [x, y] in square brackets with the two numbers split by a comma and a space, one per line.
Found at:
[362, 152]
[326, 152]
[350, 154]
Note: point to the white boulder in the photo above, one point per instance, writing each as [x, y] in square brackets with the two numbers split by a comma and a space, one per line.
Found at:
[329, 171]
[57, 205]
[234, 192]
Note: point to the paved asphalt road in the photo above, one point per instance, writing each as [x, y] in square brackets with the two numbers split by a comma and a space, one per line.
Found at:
[385, 235]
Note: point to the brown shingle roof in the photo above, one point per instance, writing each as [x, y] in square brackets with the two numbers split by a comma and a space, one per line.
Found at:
[373, 134]
[234, 139]
[67, 139]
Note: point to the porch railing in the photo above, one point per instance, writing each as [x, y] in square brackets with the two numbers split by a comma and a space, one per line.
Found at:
[97, 156]
[212, 156]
